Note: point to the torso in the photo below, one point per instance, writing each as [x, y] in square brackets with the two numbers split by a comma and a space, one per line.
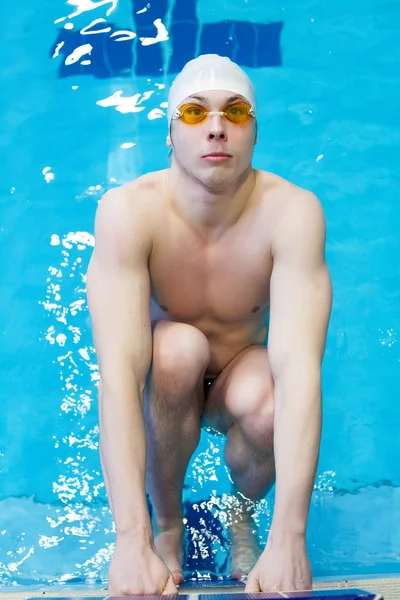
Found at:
[221, 287]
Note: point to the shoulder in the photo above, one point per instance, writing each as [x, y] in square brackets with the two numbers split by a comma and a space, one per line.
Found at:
[296, 216]
[136, 202]
[286, 198]
[126, 215]
[136, 196]
[303, 211]
[289, 206]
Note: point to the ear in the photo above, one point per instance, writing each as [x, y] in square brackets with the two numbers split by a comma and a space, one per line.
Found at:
[168, 141]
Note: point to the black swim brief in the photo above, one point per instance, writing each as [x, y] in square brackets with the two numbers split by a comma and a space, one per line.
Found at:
[207, 383]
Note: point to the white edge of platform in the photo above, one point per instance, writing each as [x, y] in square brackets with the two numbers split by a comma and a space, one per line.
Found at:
[386, 587]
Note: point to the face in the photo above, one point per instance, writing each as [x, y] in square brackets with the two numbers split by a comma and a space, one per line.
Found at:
[196, 147]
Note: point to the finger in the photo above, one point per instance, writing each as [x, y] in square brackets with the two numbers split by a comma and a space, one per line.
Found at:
[113, 590]
[177, 577]
[170, 588]
[237, 574]
[252, 586]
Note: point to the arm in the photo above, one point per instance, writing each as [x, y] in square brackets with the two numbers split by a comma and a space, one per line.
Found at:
[118, 291]
[301, 299]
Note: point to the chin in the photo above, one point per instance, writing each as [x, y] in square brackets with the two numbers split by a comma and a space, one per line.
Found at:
[218, 179]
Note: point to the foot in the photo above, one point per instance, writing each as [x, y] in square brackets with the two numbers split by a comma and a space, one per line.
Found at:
[169, 546]
[245, 549]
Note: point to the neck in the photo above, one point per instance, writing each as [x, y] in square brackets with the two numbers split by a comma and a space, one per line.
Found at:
[211, 211]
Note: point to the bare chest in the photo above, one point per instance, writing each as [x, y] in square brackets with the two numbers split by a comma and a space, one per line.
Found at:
[223, 283]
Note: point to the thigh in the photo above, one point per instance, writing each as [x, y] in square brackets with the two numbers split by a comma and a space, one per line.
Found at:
[244, 389]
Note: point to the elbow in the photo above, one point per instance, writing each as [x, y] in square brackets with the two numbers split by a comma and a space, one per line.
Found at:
[117, 383]
[297, 373]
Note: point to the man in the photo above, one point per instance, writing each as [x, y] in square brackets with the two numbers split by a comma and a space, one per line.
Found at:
[189, 262]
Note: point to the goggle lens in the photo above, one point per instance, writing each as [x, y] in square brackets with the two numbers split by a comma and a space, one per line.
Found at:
[238, 113]
[192, 114]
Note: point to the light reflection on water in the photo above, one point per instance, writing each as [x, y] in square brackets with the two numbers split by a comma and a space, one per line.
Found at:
[65, 303]
[84, 519]
[83, 6]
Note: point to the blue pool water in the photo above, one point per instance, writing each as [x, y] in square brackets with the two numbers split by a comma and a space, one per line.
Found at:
[83, 109]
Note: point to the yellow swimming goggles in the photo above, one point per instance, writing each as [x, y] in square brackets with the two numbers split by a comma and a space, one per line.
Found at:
[192, 114]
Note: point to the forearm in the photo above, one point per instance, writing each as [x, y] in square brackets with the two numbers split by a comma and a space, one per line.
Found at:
[123, 456]
[296, 446]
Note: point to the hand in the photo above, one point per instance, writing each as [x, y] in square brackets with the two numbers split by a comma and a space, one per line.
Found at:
[283, 566]
[137, 569]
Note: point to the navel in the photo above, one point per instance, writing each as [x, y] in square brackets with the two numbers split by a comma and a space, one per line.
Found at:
[255, 309]
[164, 308]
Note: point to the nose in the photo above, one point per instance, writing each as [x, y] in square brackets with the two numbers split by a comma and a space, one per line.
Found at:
[216, 129]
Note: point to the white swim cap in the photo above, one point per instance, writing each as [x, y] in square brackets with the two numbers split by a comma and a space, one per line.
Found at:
[209, 72]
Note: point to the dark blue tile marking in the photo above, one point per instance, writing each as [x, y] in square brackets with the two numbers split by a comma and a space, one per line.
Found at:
[184, 10]
[183, 32]
[145, 20]
[249, 44]
[183, 51]
[240, 596]
[350, 594]
[148, 60]
[245, 35]
[217, 38]
[268, 46]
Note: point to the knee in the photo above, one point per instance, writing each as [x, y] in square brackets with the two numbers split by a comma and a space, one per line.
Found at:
[179, 349]
[250, 401]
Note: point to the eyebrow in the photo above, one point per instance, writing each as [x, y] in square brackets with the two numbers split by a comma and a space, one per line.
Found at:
[228, 101]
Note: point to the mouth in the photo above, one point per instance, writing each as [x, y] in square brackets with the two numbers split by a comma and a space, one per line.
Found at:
[217, 156]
